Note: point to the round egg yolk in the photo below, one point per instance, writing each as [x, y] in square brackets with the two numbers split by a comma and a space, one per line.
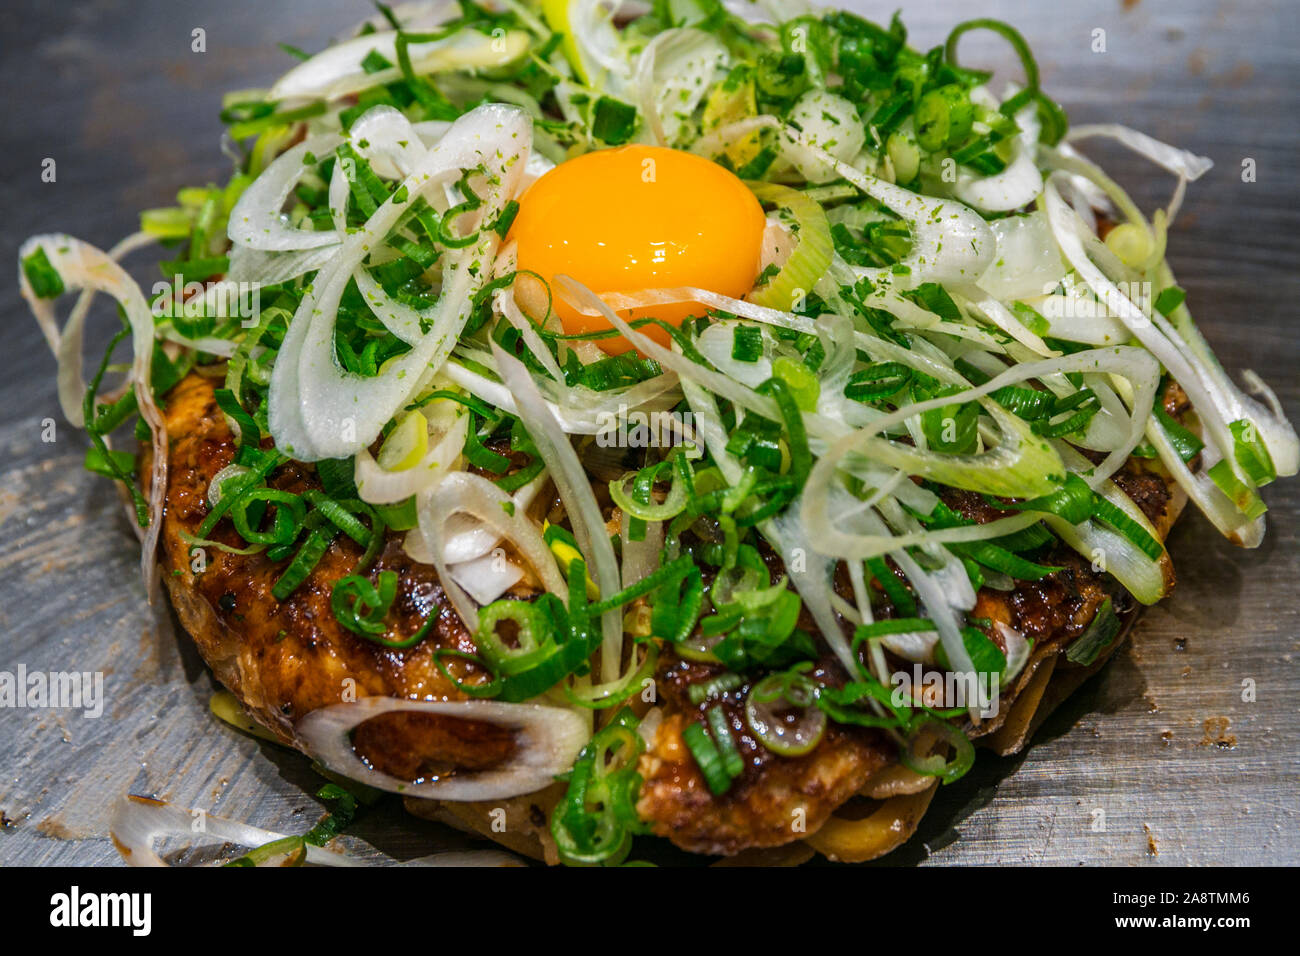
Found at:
[634, 218]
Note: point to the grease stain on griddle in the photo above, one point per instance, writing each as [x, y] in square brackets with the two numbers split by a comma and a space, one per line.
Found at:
[1216, 733]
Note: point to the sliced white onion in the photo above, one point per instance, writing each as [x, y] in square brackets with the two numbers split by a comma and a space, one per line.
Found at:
[715, 344]
[463, 493]
[486, 578]
[1018, 649]
[547, 740]
[138, 823]
[673, 73]
[317, 410]
[257, 220]
[574, 489]
[1026, 263]
[1018, 184]
[337, 70]
[82, 266]
[916, 646]
[1180, 162]
[950, 242]
[824, 129]
[379, 486]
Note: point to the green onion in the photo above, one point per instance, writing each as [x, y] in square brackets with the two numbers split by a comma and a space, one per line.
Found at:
[261, 124]
[943, 117]
[1169, 299]
[532, 636]
[708, 758]
[714, 687]
[303, 563]
[342, 514]
[747, 343]
[482, 457]
[1242, 495]
[1082, 405]
[233, 489]
[360, 606]
[878, 381]
[1251, 453]
[897, 592]
[41, 275]
[289, 514]
[720, 727]
[1100, 633]
[1073, 501]
[1118, 519]
[112, 464]
[336, 822]
[249, 433]
[595, 820]
[1185, 443]
[613, 121]
[98, 444]
[811, 256]
[788, 690]
[935, 765]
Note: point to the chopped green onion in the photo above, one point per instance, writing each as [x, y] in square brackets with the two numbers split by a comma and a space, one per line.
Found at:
[1100, 633]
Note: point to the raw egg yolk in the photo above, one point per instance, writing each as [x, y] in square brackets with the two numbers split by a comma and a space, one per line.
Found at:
[635, 218]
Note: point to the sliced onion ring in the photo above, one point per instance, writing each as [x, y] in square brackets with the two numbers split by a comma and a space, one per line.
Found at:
[548, 740]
